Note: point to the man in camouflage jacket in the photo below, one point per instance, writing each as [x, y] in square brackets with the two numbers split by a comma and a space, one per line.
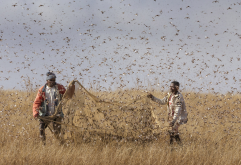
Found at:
[45, 103]
[176, 107]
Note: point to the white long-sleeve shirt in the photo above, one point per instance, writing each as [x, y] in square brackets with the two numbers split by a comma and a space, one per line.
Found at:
[50, 100]
[176, 107]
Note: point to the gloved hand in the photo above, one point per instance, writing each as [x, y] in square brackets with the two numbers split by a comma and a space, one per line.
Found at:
[36, 115]
[149, 95]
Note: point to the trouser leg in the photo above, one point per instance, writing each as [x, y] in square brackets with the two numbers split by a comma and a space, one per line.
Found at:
[174, 134]
[42, 127]
[175, 128]
[171, 138]
[178, 140]
[57, 128]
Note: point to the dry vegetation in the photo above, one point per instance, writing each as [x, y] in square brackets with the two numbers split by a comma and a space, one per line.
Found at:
[212, 135]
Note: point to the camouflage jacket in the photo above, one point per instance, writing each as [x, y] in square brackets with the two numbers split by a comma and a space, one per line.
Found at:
[176, 107]
[40, 105]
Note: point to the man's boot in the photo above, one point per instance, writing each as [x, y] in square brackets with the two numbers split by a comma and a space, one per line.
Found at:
[42, 136]
[171, 139]
[178, 140]
[42, 127]
[171, 136]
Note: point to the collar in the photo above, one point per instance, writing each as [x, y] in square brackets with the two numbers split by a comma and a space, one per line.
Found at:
[45, 86]
[176, 95]
[48, 88]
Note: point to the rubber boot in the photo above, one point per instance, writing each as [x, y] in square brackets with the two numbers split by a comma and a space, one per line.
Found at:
[171, 139]
[178, 140]
[42, 136]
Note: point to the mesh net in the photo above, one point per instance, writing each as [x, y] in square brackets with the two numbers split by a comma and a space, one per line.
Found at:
[86, 116]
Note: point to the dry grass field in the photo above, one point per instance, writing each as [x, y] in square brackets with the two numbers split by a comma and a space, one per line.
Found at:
[211, 136]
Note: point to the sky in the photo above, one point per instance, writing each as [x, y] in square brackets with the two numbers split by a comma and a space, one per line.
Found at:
[118, 44]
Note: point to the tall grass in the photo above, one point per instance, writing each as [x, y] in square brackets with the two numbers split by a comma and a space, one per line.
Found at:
[211, 136]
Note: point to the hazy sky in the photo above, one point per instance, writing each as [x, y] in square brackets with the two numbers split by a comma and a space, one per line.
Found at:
[116, 43]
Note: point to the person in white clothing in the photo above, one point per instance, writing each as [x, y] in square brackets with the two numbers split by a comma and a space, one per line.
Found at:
[176, 107]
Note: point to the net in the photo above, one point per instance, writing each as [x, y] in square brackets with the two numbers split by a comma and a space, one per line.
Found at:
[87, 116]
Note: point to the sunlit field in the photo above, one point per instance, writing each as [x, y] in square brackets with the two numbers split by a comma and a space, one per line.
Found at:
[211, 136]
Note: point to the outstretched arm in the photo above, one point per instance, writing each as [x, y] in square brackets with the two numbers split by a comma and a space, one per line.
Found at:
[159, 101]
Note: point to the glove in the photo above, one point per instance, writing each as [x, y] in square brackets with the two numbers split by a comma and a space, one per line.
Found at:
[36, 115]
[150, 95]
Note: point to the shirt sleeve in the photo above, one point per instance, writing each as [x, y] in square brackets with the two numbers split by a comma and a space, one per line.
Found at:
[160, 101]
[37, 102]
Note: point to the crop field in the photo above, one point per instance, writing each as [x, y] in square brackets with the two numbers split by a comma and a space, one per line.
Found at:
[211, 136]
